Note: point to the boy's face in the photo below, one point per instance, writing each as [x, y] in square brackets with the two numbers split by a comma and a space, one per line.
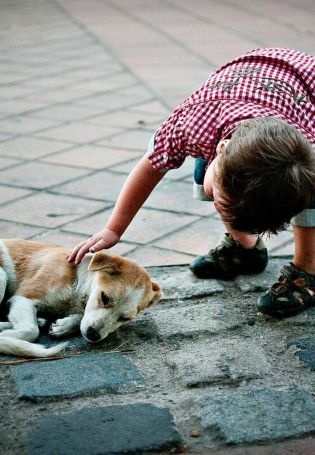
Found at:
[209, 182]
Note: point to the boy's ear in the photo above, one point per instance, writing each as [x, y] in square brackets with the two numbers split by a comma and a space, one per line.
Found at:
[157, 293]
[222, 145]
[105, 262]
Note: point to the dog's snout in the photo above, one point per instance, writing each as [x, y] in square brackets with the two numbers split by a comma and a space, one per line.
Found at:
[92, 334]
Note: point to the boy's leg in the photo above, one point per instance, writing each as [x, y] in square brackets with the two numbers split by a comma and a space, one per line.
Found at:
[304, 254]
[295, 289]
[239, 253]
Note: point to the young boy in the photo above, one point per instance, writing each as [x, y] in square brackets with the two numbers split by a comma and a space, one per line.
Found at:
[251, 128]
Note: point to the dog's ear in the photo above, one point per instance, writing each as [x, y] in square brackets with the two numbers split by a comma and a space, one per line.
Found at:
[157, 292]
[105, 262]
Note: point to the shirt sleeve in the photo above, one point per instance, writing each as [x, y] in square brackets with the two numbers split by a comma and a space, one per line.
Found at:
[168, 151]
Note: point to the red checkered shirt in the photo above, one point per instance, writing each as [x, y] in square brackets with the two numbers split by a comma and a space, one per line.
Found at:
[270, 82]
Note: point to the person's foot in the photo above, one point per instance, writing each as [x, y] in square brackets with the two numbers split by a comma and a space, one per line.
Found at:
[293, 293]
[229, 259]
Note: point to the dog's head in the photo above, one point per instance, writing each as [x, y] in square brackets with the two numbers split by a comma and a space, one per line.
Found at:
[120, 290]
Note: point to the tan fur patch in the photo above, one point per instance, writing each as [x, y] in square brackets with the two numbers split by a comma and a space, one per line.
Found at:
[39, 267]
[125, 273]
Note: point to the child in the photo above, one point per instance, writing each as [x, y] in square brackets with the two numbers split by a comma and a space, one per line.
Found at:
[251, 126]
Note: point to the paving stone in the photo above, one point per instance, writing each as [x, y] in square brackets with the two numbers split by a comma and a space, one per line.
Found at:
[151, 256]
[262, 281]
[134, 428]
[259, 415]
[79, 132]
[7, 162]
[289, 447]
[116, 81]
[196, 238]
[108, 102]
[57, 95]
[306, 350]
[8, 193]
[111, 373]
[149, 225]
[100, 185]
[91, 156]
[22, 106]
[13, 230]
[192, 320]
[65, 112]
[24, 124]
[175, 196]
[137, 139]
[180, 283]
[40, 175]
[227, 361]
[126, 118]
[275, 243]
[306, 319]
[49, 210]
[31, 147]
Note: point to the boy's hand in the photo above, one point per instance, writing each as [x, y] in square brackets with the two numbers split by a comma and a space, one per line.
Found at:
[99, 241]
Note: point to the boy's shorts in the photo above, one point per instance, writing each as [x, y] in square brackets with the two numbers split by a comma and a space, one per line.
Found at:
[303, 219]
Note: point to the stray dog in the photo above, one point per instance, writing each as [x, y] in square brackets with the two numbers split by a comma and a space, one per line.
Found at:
[95, 297]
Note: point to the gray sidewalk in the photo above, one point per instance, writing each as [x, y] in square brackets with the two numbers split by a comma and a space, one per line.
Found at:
[83, 85]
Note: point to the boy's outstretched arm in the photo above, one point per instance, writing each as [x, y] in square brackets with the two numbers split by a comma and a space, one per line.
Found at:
[135, 191]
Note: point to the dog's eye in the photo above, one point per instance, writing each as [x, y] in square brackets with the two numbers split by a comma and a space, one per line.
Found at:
[105, 300]
[124, 319]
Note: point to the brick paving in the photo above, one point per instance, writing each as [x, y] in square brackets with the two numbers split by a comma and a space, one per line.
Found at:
[83, 85]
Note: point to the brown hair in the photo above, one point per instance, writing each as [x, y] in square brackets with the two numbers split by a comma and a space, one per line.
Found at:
[265, 176]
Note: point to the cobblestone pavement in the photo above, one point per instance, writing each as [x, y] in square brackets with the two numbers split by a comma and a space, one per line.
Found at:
[83, 85]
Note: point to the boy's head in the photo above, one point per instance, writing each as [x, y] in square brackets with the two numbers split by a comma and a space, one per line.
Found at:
[264, 176]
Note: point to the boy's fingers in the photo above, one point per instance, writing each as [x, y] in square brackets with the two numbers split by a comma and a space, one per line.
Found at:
[99, 245]
[85, 248]
[93, 244]
[81, 253]
[72, 254]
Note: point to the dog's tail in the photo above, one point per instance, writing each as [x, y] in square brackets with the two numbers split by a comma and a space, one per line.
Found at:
[23, 348]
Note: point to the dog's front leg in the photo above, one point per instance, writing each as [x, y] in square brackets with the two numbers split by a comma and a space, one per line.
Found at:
[66, 326]
[22, 316]
[3, 283]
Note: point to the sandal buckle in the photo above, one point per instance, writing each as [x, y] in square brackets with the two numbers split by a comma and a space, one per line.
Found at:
[300, 282]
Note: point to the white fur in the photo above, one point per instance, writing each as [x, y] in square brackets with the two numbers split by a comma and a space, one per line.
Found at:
[9, 269]
[105, 320]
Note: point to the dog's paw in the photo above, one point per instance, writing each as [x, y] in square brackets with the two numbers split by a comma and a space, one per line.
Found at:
[5, 326]
[41, 322]
[63, 327]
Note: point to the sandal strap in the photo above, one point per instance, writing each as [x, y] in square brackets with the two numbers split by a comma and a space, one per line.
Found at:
[295, 283]
[291, 273]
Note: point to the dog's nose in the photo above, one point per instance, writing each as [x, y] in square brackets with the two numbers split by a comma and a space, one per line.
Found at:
[92, 334]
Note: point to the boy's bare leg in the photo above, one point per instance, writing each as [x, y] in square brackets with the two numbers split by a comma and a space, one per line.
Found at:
[304, 255]
[245, 240]
[295, 289]
[238, 253]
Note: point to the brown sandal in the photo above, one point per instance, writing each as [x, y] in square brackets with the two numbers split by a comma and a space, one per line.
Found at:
[293, 293]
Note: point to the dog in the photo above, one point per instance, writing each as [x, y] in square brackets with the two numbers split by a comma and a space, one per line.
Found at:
[95, 297]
